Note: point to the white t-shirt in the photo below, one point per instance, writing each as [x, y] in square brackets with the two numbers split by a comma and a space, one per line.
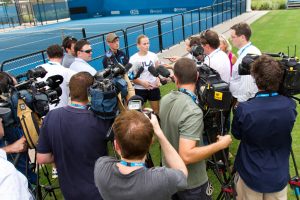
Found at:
[79, 65]
[55, 68]
[150, 59]
[243, 87]
[13, 184]
[219, 61]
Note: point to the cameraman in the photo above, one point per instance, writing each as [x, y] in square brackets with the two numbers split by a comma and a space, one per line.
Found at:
[242, 87]
[13, 184]
[53, 67]
[215, 57]
[182, 122]
[129, 178]
[74, 138]
[264, 125]
[14, 143]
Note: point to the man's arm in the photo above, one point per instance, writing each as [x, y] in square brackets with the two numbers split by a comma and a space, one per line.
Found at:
[172, 158]
[44, 158]
[192, 154]
[18, 146]
[1, 129]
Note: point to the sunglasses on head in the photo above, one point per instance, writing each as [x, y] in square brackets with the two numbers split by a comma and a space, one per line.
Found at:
[87, 51]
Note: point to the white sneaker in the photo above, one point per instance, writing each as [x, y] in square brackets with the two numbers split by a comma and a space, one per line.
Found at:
[54, 173]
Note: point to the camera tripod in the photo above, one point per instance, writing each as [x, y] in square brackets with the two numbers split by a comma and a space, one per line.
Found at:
[295, 181]
[219, 162]
[48, 186]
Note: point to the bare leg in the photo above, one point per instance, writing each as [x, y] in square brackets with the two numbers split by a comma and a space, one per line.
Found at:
[155, 106]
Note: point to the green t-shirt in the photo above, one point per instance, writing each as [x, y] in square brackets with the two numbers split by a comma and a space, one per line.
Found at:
[180, 116]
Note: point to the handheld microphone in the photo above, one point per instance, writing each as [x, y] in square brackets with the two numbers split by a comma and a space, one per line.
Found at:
[155, 73]
[163, 71]
[135, 71]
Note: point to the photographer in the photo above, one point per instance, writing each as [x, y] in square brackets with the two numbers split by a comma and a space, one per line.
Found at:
[74, 137]
[264, 125]
[215, 57]
[14, 143]
[182, 122]
[129, 178]
[242, 87]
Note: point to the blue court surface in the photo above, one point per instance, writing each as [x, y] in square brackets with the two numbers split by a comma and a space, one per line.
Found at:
[163, 30]
[21, 42]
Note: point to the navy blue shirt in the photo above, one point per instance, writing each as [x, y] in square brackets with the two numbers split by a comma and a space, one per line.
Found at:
[117, 57]
[76, 138]
[264, 126]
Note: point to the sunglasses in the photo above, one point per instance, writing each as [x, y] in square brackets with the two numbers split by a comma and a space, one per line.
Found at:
[87, 51]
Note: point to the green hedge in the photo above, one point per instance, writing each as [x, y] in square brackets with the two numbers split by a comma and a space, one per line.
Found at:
[268, 4]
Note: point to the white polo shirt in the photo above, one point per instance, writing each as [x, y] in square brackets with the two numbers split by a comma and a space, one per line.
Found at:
[219, 61]
[13, 184]
[79, 65]
[243, 87]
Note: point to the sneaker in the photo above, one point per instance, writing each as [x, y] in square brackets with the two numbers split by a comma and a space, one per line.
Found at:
[54, 173]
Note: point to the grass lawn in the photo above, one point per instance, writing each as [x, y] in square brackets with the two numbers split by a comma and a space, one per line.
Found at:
[272, 33]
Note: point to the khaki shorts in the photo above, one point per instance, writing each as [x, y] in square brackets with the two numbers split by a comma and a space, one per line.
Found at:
[245, 193]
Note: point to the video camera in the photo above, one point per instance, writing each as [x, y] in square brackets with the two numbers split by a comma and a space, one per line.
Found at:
[38, 95]
[290, 84]
[212, 91]
[108, 83]
[136, 103]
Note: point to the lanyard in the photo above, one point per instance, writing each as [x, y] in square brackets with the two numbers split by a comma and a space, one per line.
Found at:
[246, 47]
[83, 107]
[132, 164]
[189, 93]
[52, 63]
[273, 94]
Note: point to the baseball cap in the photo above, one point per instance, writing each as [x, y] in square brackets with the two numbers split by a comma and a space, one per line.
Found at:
[111, 37]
